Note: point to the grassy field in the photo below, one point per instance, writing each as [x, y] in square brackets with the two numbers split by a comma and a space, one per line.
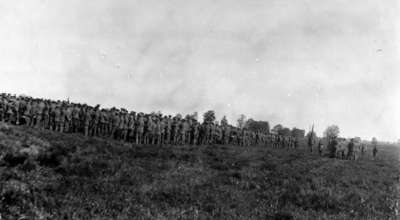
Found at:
[46, 175]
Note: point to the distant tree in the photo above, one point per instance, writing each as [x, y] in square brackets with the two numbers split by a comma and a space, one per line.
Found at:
[331, 132]
[209, 116]
[224, 121]
[258, 126]
[241, 122]
[284, 132]
[298, 133]
[276, 129]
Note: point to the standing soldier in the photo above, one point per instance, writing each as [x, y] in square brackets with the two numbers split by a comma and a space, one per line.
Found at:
[163, 123]
[46, 117]
[103, 123]
[124, 126]
[175, 130]
[139, 129]
[332, 147]
[350, 150]
[157, 131]
[87, 119]
[320, 146]
[94, 124]
[27, 113]
[75, 119]
[184, 127]
[196, 132]
[62, 118]
[131, 127]
[57, 119]
[227, 134]
[67, 112]
[168, 129]
[374, 147]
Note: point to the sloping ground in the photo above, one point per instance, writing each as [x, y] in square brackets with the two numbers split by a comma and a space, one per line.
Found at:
[46, 175]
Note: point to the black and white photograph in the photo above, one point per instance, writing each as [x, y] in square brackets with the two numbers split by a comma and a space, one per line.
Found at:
[212, 109]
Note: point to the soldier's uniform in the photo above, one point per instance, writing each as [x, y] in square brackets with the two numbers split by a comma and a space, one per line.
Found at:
[350, 150]
[75, 119]
[87, 120]
[168, 130]
[175, 132]
[123, 127]
[157, 132]
[131, 127]
[196, 132]
[183, 131]
[46, 117]
[57, 119]
[139, 129]
[95, 122]
[163, 124]
[67, 112]
[103, 123]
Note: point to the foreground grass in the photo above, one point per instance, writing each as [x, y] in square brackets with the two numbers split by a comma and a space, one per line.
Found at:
[80, 178]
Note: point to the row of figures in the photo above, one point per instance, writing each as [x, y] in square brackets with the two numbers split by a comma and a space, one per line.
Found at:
[132, 127]
[341, 148]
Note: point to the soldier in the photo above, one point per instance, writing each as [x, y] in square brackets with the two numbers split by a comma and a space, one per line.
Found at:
[184, 128]
[196, 133]
[227, 134]
[67, 112]
[175, 130]
[103, 123]
[168, 129]
[320, 146]
[163, 123]
[362, 150]
[57, 119]
[75, 119]
[157, 131]
[139, 129]
[332, 147]
[94, 124]
[26, 115]
[131, 127]
[87, 119]
[46, 117]
[350, 150]
[123, 126]
[374, 150]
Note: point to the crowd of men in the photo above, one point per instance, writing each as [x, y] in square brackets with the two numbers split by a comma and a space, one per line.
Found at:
[132, 127]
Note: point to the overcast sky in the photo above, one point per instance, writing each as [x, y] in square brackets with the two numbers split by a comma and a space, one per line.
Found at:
[293, 62]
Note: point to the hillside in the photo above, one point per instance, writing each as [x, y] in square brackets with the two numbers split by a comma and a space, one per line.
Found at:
[48, 175]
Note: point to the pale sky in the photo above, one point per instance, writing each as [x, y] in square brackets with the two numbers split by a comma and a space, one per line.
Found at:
[294, 62]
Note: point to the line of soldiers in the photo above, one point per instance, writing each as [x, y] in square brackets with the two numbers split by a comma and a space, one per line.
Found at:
[119, 124]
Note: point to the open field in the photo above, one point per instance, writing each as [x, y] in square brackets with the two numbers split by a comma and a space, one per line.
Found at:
[73, 177]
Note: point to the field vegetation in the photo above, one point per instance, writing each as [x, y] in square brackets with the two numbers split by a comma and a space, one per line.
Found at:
[48, 175]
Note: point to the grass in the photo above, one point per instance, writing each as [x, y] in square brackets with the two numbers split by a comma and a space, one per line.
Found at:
[73, 177]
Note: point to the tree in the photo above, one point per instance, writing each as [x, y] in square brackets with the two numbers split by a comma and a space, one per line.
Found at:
[331, 132]
[241, 122]
[276, 129]
[209, 116]
[258, 126]
[284, 132]
[224, 121]
[298, 133]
